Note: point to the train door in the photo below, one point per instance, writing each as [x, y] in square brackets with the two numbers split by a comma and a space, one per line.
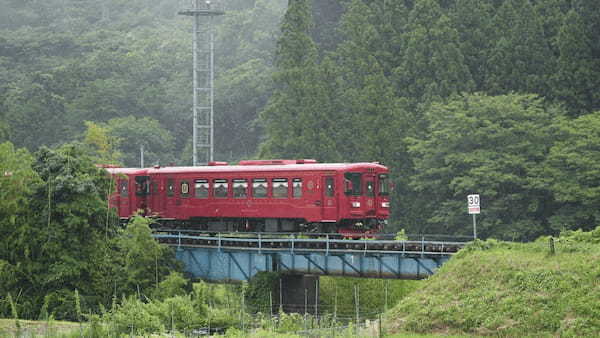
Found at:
[156, 197]
[329, 206]
[124, 209]
[142, 190]
[171, 204]
[369, 199]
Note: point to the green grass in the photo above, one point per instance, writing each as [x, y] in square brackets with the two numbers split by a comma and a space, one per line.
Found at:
[509, 289]
[33, 328]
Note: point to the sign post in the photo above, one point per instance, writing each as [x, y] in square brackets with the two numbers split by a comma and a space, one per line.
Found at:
[474, 209]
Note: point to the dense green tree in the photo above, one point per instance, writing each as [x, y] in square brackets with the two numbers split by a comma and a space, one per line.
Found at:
[492, 146]
[139, 262]
[473, 21]
[17, 183]
[433, 66]
[364, 95]
[51, 246]
[578, 77]
[133, 133]
[520, 60]
[293, 115]
[244, 90]
[571, 173]
[34, 113]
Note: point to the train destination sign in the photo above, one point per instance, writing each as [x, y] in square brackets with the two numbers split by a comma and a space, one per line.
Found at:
[473, 204]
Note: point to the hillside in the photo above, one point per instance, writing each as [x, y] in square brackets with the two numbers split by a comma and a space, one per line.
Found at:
[510, 289]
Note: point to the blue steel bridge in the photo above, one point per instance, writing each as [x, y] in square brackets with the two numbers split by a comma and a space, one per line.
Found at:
[239, 256]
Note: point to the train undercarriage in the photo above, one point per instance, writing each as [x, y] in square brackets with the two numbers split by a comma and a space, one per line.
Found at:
[348, 227]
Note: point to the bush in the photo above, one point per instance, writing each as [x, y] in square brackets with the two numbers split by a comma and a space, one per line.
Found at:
[134, 316]
[177, 313]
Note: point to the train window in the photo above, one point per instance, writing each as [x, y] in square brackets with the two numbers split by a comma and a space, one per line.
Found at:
[259, 188]
[185, 189]
[355, 183]
[201, 188]
[384, 188]
[170, 187]
[297, 188]
[240, 188]
[154, 188]
[142, 187]
[280, 188]
[220, 187]
[123, 188]
[329, 187]
[370, 188]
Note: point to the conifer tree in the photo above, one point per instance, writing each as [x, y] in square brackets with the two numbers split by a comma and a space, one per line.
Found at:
[578, 77]
[473, 21]
[433, 67]
[293, 115]
[521, 60]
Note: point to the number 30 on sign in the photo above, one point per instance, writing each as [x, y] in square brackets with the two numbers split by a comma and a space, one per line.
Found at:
[473, 203]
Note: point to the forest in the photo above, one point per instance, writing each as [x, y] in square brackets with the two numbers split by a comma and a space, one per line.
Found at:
[457, 97]
[495, 97]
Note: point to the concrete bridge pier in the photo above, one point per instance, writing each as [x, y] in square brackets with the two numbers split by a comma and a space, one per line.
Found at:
[300, 293]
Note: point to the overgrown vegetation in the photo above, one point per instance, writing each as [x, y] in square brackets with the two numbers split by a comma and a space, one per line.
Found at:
[510, 289]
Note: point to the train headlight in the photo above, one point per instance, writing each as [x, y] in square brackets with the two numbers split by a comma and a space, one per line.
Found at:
[356, 204]
[385, 204]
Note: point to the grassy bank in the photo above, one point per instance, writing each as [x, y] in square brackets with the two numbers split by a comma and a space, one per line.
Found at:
[510, 289]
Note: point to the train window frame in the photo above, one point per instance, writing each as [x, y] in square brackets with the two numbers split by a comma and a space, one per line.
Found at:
[236, 184]
[218, 193]
[124, 188]
[184, 187]
[384, 185]
[282, 182]
[356, 179]
[170, 187]
[256, 183]
[329, 187]
[197, 188]
[142, 186]
[297, 188]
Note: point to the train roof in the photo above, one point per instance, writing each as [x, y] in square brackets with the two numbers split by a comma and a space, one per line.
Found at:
[249, 168]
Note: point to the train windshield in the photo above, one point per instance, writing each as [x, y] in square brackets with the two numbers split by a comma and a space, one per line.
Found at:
[353, 184]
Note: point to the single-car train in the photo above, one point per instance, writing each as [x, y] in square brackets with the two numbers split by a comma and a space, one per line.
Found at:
[258, 196]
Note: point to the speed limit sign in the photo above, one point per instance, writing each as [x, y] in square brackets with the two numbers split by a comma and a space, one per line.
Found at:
[473, 204]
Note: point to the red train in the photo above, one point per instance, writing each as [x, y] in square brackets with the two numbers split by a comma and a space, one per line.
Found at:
[259, 196]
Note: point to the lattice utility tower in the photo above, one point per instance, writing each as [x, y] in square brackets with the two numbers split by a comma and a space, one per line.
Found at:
[203, 77]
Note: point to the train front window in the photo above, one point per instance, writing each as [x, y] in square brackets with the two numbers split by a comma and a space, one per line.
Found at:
[353, 184]
[201, 188]
[240, 188]
[220, 188]
[384, 185]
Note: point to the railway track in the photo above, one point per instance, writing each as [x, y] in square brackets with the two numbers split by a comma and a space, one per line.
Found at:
[303, 243]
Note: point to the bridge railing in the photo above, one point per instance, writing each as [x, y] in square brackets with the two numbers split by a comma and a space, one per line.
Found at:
[325, 243]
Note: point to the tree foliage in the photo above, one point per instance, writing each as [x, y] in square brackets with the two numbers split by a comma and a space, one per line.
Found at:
[487, 145]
